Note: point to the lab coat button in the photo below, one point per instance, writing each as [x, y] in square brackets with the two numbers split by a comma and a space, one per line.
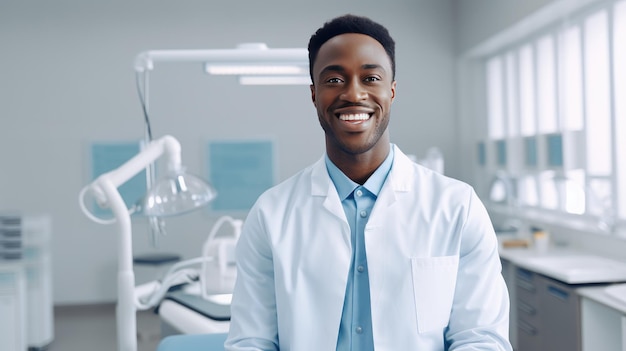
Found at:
[363, 213]
[360, 269]
[358, 330]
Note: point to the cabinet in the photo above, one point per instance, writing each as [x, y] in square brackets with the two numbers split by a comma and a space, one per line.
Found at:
[548, 313]
[12, 306]
[560, 311]
[603, 320]
[623, 333]
[508, 273]
[527, 306]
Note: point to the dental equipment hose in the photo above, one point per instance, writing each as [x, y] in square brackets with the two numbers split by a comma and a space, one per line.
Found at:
[148, 295]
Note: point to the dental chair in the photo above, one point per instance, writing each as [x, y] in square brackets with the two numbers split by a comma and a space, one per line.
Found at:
[203, 342]
[198, 314]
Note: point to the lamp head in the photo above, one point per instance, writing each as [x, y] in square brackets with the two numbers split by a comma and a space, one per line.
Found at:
[179, 192]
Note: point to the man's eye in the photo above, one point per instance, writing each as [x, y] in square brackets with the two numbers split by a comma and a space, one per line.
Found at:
[333, 80]
[372, 79]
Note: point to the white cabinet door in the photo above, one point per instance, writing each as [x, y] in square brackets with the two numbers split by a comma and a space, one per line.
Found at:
[601, 327]
[623, 333]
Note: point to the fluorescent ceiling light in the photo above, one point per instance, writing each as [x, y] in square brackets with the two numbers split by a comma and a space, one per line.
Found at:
[274, 80]
[249, 54]
[254, 69]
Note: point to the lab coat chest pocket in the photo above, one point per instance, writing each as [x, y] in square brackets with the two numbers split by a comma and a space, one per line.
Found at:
[434, 282]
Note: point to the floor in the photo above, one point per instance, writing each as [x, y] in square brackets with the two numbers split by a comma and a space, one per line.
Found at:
[80, 328]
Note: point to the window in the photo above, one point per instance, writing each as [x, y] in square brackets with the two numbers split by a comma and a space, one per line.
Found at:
[554, 109]
[571, 99]
[619, 81]
[495, 88]
[511, 96]
[597, 94]
[546, 87]
[527, 91]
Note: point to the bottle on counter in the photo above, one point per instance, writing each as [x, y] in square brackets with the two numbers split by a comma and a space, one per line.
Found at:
[541, 240]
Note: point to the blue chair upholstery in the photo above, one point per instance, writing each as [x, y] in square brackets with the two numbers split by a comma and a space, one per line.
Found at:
[200, 342]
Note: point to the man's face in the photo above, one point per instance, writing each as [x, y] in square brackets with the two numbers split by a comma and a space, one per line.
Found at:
[352, 90]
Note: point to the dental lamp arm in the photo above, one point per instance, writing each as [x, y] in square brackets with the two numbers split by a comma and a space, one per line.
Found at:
[167, 145]
[105, 189]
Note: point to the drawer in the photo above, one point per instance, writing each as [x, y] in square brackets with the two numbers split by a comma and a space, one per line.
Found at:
[560, 311]
[528, 337]
[529, 314]
[526, 287]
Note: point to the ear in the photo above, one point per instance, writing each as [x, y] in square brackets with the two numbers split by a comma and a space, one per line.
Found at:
[312, 93]
[393, 90]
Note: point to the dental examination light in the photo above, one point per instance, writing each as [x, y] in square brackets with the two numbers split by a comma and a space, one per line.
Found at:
[178, 193]
[252, 63]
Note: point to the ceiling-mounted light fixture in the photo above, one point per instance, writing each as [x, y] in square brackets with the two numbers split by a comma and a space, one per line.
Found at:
[275, 80]
[255, 68]
[245, 55]
[273, 66]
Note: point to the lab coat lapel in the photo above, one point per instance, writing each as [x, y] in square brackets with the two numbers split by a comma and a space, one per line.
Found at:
[398, 181]
[377, 230]
[322, 186]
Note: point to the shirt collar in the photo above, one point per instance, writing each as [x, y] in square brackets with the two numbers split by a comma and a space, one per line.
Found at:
[345, 186]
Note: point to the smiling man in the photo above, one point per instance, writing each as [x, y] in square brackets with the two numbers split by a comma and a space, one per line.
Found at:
[353, 90]
[366, 250]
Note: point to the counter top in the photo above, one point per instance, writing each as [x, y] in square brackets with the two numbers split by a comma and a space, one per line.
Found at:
[567, 265]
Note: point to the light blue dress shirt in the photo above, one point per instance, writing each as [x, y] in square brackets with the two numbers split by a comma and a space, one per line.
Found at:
[355, 331]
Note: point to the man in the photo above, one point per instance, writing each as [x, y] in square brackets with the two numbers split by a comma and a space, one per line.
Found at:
[365, 250]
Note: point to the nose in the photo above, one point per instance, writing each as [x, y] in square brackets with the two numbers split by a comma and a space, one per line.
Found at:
[354, 91]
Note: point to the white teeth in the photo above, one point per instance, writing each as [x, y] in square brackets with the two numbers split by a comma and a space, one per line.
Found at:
[355, 117]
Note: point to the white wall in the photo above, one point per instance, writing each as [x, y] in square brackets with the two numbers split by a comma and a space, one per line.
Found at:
[66, 80]
[479, 20]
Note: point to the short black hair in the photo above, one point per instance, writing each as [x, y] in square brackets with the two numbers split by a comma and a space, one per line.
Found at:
[351, 24]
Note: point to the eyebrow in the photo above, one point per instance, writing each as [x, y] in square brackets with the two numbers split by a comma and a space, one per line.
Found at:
[339, 68]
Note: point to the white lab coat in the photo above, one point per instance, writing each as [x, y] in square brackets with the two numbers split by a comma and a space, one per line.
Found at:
[434, 271]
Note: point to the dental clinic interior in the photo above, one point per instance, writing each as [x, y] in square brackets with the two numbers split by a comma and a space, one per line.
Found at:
[106, 106]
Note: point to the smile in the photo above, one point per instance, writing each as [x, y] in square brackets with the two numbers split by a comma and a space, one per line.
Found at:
[354, 117]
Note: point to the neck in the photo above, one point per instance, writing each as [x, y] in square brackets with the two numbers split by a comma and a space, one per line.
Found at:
[359, 167]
